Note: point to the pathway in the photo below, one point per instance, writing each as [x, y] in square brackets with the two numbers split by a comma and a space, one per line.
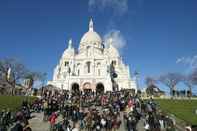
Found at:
[37, 123]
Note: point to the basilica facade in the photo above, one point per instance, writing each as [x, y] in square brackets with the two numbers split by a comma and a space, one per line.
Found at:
[88, 67]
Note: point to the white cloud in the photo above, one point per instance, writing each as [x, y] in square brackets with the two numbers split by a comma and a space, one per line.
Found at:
[119, 7]
[188, 61]
[118, 39]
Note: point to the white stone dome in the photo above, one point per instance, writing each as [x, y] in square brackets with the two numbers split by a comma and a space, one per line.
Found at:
[91, 36]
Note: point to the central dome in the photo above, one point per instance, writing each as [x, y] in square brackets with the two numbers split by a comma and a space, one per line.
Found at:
[91, 36]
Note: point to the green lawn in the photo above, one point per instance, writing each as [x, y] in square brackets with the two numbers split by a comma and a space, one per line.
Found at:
[13, 102]
[182, 109]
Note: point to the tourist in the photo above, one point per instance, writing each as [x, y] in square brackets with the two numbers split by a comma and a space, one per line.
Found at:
[3, 124]
[76, 127]
[88, 121]
[81, 119]
[66, 125]
[52, 120]
[18, 127]
[103, 122]
[147, 127]
[45, 108]
[116, 123]
[8, 118]
[19, 119]
[26, 126]
[104, 116]
[26, 112]
[188, 127]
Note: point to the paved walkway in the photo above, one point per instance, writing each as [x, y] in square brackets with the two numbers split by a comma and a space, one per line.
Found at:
[37, 123]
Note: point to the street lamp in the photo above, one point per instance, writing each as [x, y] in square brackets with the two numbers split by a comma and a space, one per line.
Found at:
[113, 75]
[136, 74]
[62, 88]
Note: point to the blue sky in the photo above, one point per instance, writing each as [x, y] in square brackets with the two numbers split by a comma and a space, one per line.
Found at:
[156, 32]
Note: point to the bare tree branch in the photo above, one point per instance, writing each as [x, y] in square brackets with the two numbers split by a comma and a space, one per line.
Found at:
[171, 80]
[150, 81]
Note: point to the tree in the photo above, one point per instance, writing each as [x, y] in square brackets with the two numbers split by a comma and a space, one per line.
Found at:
[190, 80]
[152, 89]
[187, 80]
[193, 77]
[17, 74]
[43, 79]
[32, 77]
[18, 71]
[171, 80]
[1, 70]
[35, 76]
[150, 81]
[35, 92]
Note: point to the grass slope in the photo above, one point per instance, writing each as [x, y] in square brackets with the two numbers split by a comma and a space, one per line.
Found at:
[183, 109]
[13, 102]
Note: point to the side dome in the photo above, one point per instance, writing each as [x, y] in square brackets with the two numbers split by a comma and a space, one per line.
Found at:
[112, 50]
[91, 37]
[70, 51]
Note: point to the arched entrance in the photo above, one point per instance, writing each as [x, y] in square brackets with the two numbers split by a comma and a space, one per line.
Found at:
[87, 88]
[75, 88]
[100, 88]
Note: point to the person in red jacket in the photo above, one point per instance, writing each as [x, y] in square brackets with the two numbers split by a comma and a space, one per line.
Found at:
[52, 120]
[130, 104]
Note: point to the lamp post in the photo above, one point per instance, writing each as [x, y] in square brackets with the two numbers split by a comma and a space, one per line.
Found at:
[136, 74]
[62, 88]
[113, 75]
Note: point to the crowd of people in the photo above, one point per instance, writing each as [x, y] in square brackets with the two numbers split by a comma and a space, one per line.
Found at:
[90, 111]
[5, 119]
[18, 119]
[103, 112]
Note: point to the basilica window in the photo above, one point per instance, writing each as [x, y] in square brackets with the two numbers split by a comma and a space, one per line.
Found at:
[78, 69]
[88, 51]
[95, 45]
[66, 63]
[99, 72]
[98, 68]
[98, 64]
[114, 62]
[88, 66]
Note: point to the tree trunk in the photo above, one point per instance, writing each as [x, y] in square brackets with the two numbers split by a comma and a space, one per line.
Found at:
[190, 91]
[41, 91]
[13, 88]
[172, 91]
